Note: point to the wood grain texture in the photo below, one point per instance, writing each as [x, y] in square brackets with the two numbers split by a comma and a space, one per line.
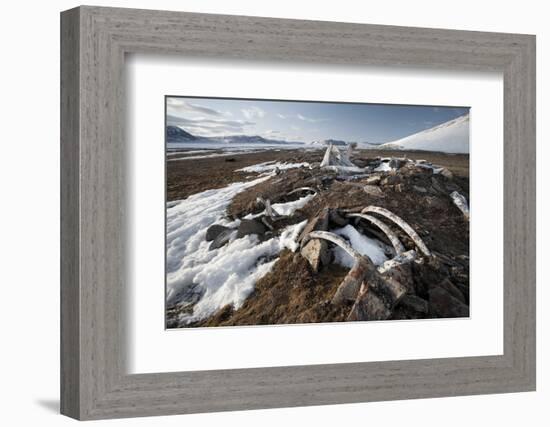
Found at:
[94, 232]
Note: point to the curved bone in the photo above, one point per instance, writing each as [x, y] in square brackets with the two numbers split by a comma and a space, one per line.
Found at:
[402, 224]
[334, 238]
[461, 203]
[401, 259]
[349, 287]
[364, 274]
[396, 243]
[268, 209]
[297, 190]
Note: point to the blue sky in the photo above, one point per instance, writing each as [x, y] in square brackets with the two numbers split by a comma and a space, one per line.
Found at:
[304, 121]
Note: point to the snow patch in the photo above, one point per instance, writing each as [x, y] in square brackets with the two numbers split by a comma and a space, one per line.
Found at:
[271, 166]
[208, 280]
[383, 167]
[372, 248]
[288, 208]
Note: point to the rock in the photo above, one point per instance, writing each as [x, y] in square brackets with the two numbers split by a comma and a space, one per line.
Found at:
[419, 189]
[373, 180]
[230, 159]
[443, 304]
[250, 226]
[415, 303]
[436, 186]
[336, 218]
[213, 231]
[373, 190]
[392, 180]
[222, 239]
[446, 173]
[369, 306]
[318, 223]
[316, 253]
[453, 290]
[397, 163]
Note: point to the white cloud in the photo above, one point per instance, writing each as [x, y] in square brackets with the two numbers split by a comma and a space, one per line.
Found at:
[203, 126]
[253, 112]
[309, 119]
[178, 105]
[300, 117]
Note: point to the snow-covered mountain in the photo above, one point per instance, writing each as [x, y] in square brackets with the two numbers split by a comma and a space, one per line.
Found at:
[175, 134]
[449, 137]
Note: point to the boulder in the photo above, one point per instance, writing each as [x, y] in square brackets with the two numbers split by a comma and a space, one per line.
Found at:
[373, 190]
[419, 189]
[443, 304]
[213, 231]
[337, 218]
[446, 173]
[318, 223]
[222, 239]
[251, 226]
[373, 180]
[316, 253]
[415, 303]
[397, 163]
[453, 290]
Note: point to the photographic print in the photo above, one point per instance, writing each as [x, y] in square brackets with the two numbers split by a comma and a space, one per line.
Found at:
[298, 212]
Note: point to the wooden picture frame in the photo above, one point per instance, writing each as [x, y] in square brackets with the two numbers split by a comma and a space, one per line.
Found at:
[94, 382]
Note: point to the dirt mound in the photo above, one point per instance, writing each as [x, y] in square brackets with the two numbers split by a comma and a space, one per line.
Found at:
[429, 285]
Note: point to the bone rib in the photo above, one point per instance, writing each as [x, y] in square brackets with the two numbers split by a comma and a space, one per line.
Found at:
[402, 224]
[349, 287]
[268, 209]
[396, 243]
[401, 259]
[461, 203]
[334, 238]
[297, 190]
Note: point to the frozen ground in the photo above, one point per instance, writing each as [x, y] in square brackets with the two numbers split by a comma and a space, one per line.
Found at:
[210, 279]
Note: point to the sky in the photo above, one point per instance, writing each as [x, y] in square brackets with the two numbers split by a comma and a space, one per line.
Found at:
[304, 121]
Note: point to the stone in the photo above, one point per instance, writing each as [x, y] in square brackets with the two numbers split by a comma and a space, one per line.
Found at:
[436, 186]
[373, 180]
[316, 253]
[373, 190]
[250, 226]
[318, 223]
[415, 303]
[222, 239]
[419, 189]
[336, 218]
[213, 231]
[368, 306]
[443, 304]
[397, 163]
[446, 173]
[452, 289]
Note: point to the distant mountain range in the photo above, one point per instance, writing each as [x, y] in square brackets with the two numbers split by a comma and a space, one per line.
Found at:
[177, 134]
[450, 137]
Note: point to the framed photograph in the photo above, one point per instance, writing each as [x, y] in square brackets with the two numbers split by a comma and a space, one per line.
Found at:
[262, 213]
